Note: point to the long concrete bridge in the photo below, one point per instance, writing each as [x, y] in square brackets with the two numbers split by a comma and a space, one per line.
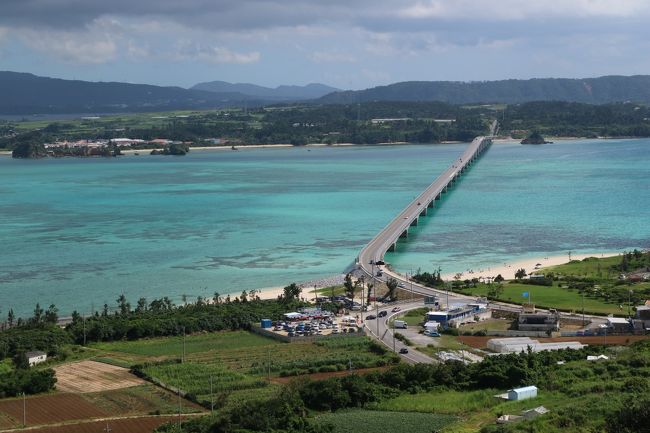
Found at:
[398, 228]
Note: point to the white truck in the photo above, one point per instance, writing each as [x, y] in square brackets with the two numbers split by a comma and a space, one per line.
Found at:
[399, 324]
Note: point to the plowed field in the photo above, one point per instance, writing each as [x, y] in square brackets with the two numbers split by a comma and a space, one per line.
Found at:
[91, 376]
[132, 425]
[48, 409]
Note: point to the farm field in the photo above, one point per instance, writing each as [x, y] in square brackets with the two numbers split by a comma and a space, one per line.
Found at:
[244, 368]
[129, 425]
[368, 421]
[91, 376]
[139, 400]
[172, 347]
[49, 409]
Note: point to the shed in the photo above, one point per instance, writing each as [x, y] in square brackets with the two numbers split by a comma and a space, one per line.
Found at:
[35, 357]
[522, 393]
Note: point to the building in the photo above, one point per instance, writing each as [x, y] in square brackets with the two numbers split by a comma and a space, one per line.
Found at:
[618, 325]
[36, 357]
[453, 318]
[522, 393]
[524, 344]
[532, 320]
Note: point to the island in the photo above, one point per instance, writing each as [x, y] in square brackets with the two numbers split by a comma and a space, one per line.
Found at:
[535, 138]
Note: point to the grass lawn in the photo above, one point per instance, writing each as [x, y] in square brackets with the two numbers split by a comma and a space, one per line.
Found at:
[488, 325]
[173, 346]
[592, 267]
[442, 402]
[553, 297]
[414, 317]
[444, 342]
[368, 421]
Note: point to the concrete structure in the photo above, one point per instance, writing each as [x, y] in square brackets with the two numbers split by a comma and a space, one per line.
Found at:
[532, 320]
[398, 228]
[523, 344]
[618, 325]
[457, 316]
[35, 357]
[522, 393]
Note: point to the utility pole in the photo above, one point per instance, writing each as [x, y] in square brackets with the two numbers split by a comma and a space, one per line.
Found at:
[269, 365]
[211, 397]
[411, 281]
[583, 308]
[183, 359]
[83, 321]
[180, 427]
[24, 411]
[394, 336]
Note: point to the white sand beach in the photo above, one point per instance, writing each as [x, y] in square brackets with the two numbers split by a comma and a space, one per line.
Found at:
[508, 269]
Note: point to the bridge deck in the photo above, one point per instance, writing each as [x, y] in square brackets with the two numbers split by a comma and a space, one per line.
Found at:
[387, 238]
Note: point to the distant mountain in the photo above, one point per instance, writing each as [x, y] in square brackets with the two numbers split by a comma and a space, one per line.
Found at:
[22, 93]
[280, 93]
[600, 90]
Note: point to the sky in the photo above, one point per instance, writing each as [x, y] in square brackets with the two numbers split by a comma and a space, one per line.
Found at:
[348, 44]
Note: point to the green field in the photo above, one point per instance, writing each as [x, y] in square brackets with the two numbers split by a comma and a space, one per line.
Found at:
[173, 346]
[367, 421]
[238, 361]
[552, 297]
[442, 402]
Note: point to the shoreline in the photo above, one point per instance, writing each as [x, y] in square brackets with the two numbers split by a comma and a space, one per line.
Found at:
[509, 140]
[508, 269]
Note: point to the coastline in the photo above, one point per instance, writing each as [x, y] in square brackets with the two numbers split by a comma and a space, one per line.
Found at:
[508, 269]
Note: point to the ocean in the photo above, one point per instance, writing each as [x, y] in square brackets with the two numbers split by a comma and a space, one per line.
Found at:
[77, 233]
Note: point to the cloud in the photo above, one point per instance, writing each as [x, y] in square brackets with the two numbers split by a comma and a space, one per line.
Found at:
[518, 10]
[185, 50]
[71, 47]
[332, 57]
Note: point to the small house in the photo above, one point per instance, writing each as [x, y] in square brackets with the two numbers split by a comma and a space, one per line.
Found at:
[522, 393]
[35, 357]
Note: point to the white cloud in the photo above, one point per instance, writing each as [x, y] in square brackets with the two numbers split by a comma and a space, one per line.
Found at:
[224, 55]
[332, 57]
[188, 50]
[82, 47]
[479, 10]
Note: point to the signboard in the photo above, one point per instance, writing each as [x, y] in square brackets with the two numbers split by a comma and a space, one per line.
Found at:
[430, 300]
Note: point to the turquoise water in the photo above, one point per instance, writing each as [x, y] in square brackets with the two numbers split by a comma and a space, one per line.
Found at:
[78, 232]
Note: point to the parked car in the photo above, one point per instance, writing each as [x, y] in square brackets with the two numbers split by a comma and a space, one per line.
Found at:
[403, 350]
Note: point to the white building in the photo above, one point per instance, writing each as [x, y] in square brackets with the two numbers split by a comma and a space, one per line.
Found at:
[523, 344]
[522, 393]
[35, 357]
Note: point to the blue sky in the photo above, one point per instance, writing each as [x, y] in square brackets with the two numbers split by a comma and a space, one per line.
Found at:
[349, 44]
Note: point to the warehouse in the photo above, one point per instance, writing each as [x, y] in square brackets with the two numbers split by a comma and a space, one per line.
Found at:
[523, 344]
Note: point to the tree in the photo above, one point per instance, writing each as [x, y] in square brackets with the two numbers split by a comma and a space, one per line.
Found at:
[521, 273]
[216, 298]
[38, 314]
[244, 296]
[499, 279]
[123, 305]
[52, 315]
[349, 286]
[631, 417]
[291, 293]
[391, 284]
[141, 306]
[11, 317]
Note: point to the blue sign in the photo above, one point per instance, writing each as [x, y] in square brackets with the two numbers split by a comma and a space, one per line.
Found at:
[525, 294]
